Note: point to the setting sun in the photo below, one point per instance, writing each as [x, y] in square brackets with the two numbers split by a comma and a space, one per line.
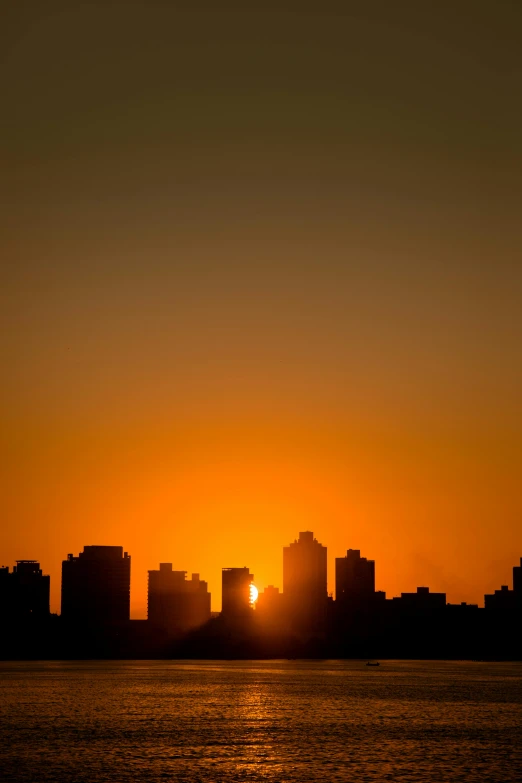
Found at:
[253, 594]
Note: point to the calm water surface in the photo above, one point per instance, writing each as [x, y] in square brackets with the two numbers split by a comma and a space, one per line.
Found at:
[295, 721]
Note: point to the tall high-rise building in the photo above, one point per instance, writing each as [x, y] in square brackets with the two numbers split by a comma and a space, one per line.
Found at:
[24, 592]
[354, 579]
[96, 586]
[176, 603]
[236, 596]
[304, 582]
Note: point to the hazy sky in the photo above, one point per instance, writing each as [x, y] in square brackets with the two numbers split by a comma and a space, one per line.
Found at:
[261, 273]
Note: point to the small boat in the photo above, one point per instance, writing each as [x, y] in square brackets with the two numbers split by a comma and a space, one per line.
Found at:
[373, 663]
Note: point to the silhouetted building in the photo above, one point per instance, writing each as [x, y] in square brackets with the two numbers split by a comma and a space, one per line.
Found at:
[462, 624]
[25, 591]
[354, 580]
[269, 600]
[174, 603]
[269, 606]
[506, 600]
[501, 600]
[462, 608]
[96, 586]
[304, 583]
[236, 596]
[422, 600]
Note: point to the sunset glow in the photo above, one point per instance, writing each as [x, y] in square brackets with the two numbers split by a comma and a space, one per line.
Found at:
[252, 286]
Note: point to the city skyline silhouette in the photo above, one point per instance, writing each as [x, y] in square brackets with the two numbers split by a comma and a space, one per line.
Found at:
[262, 275]
[434, 575]
[301, 620]
[354, 578]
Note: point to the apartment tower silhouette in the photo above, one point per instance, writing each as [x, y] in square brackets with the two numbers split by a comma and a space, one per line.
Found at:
[96, 586]
[24, 592]
[175, 603]
[304, 583]
[236, 600]
[354, 580]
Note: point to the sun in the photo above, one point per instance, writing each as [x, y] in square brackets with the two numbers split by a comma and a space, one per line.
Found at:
[253, 594]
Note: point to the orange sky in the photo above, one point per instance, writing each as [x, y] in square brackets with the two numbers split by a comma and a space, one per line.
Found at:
[261, 274]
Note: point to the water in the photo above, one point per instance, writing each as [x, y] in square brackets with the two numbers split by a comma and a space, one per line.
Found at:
[285, 721]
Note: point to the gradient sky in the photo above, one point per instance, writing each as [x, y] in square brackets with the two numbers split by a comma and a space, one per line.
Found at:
[261, 273]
